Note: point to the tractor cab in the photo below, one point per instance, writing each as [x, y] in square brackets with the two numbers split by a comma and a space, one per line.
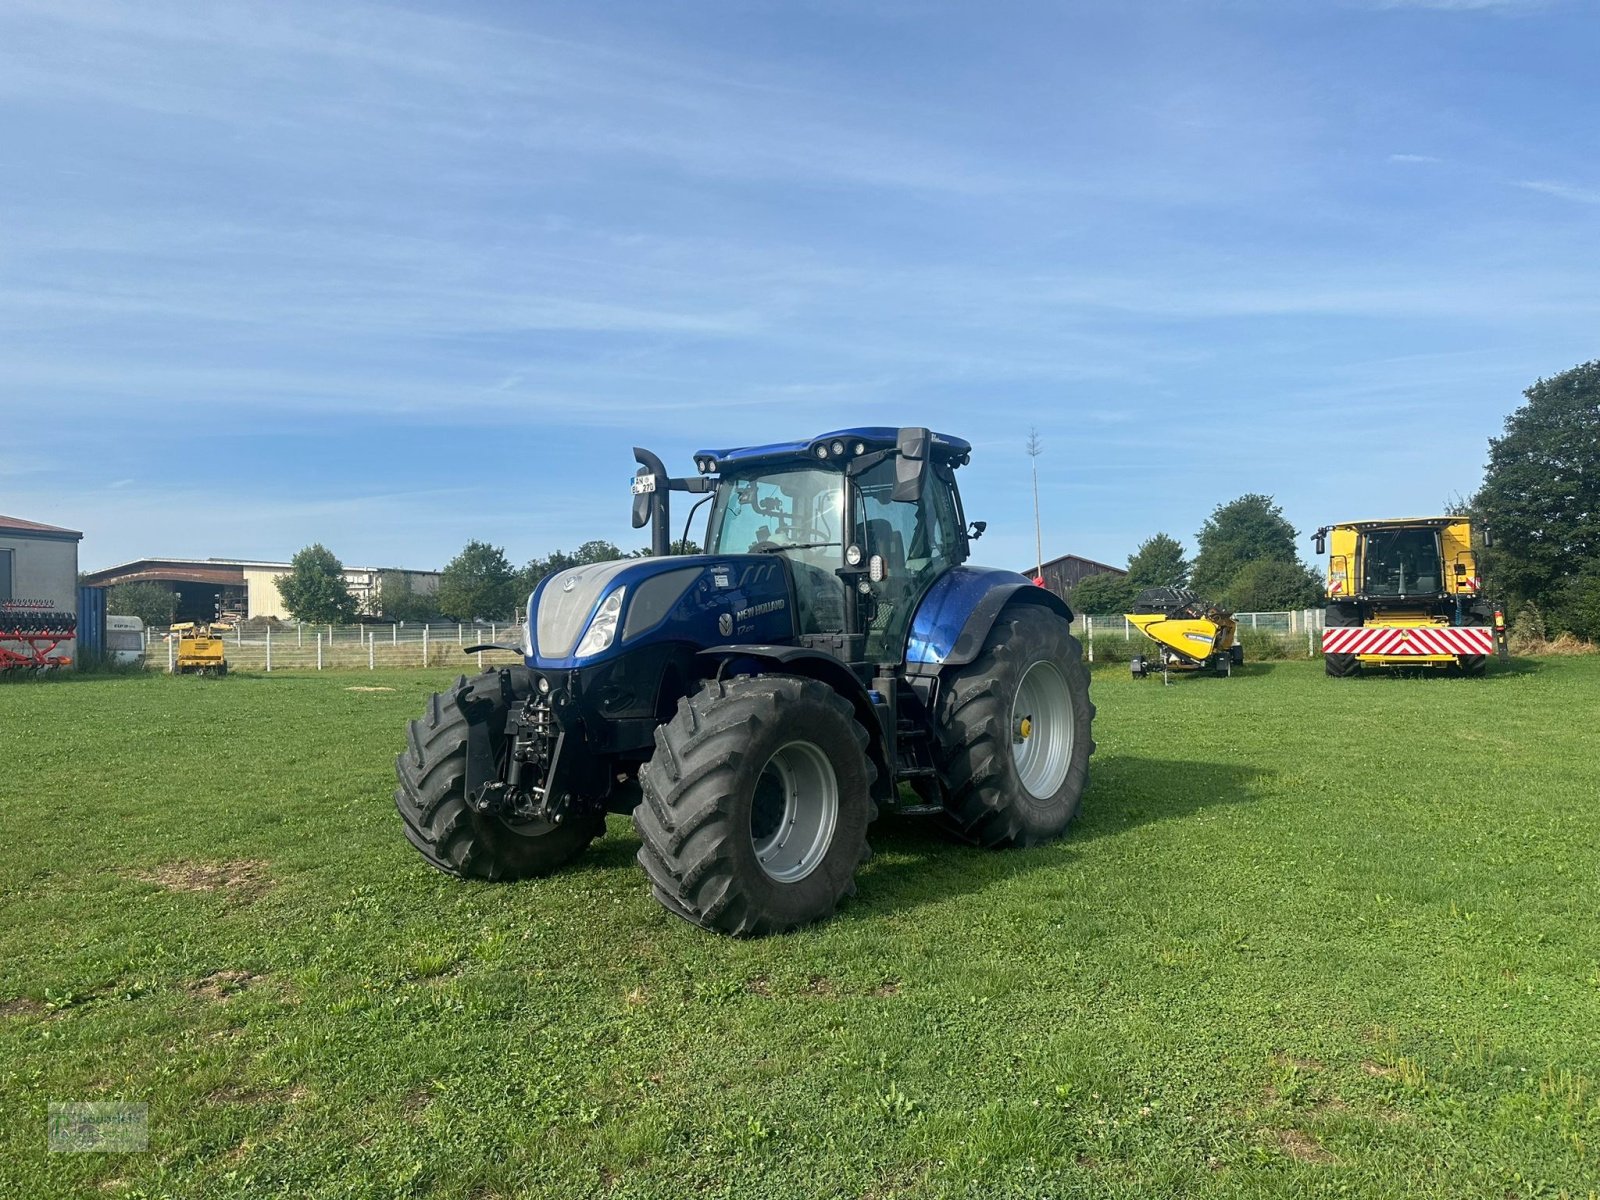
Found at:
[864, 527]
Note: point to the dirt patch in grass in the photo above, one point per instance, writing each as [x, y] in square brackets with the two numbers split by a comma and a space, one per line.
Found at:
[20, 1007]
[1378, 1070]
[358, 688]
[219, 985]
[820, 985]
[889, 987]
[759, 986]
[1302, 1147]
[240, 1094]
[245, 876]
[1299, 1064]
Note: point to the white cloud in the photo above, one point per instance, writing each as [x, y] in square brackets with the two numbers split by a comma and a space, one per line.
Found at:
[1414, 158]
[1561, 191]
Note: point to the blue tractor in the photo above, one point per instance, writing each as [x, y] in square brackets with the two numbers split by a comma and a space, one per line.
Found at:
[830, 656]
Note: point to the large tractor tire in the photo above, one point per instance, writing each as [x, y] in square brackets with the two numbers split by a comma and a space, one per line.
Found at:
[756, 805]
[432, 797]
[1474, 665]
[1341, 666]
[1015, 732]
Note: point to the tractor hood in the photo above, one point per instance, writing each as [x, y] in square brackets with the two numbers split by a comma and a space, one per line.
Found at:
[600, 610]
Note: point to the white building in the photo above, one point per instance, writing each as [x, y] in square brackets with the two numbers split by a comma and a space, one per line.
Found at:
[39, 571]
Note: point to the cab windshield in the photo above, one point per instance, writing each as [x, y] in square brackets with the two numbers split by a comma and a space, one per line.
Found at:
[1403, 562]
[797, 512]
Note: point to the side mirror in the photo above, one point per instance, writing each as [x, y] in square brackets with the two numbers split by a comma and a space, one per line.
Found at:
[642, 492]
[977, 529]
[1488, 539]
[911, 467]
[1322, 543]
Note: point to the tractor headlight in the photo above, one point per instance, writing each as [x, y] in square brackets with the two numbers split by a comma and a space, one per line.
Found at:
[603, 628]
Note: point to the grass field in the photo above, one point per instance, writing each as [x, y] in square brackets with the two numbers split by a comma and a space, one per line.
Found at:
[1309, 937]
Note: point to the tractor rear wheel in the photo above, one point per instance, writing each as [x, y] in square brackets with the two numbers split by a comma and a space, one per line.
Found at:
[756, 805]
[1341, 666]
[432, 797]
[1015, 732]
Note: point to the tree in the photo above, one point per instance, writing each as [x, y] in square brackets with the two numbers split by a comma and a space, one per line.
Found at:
[1158, 562]
[1577, 603]
[1100, 594]
[152, 603]
[1236, 534]
[478, 582]
[1268, 585]
[315, 588]
[1541, 496]
[594, 551]
[397, 600]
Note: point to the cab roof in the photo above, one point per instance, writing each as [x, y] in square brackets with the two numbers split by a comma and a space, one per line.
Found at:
[1404, 523]
[951, 451]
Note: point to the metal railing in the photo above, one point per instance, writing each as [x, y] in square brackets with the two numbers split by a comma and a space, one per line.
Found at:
[286, 646]
[1297, 631]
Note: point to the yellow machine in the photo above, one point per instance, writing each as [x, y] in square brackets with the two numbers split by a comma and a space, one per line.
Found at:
[1405, 592]
[200, 648]
[1193, 635]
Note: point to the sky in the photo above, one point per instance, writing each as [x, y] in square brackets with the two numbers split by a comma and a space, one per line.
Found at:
[395, 276]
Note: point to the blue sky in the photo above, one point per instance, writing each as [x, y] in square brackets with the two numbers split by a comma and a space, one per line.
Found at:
[395, 276]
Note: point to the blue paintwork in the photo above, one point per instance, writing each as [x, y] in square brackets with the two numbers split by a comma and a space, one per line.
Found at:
[727, 583]
[946, 606]
[874, 437]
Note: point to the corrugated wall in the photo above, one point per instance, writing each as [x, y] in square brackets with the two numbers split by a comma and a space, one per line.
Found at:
[91, 621]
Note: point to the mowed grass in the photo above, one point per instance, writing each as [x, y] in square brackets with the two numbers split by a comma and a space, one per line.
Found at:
[1309, 937]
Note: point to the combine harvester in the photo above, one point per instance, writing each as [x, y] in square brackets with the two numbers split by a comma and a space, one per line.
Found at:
[1405, 592]
[1194, 635]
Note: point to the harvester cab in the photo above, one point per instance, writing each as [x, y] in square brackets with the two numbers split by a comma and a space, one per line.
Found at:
[756, 705]
[1406, 592]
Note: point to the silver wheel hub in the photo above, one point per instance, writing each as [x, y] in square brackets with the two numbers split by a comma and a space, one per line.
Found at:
[1042, 730]
[794, 812]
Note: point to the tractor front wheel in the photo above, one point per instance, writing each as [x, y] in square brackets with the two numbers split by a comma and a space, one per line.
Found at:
[432, 797]
[1341, 666]
[756, 805]
[1015, 731]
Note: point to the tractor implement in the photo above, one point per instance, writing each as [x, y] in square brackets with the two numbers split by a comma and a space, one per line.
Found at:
[756, 705]
[34, 630]
[1193, 634]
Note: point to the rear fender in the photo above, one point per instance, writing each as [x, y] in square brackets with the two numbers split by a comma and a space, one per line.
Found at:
[824, 668]
[961, 608]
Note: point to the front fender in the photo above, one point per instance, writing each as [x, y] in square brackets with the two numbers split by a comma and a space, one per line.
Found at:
[958, 611]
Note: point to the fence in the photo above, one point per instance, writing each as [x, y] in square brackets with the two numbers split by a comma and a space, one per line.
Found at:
[1279, 634]
[260, 646]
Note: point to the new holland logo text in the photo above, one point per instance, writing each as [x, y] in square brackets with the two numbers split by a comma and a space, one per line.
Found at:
[760, 610]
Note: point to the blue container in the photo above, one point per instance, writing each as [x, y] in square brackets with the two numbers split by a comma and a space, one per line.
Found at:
[91, 621]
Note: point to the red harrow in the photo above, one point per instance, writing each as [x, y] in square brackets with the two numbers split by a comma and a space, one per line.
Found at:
[30, 631]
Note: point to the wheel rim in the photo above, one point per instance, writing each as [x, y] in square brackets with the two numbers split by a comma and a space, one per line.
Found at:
[794, 812]
[1042, 730]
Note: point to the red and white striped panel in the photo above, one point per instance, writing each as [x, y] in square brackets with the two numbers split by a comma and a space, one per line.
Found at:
[1410, 639]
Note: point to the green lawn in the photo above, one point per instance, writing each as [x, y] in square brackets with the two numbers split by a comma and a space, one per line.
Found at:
[1309, 937]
